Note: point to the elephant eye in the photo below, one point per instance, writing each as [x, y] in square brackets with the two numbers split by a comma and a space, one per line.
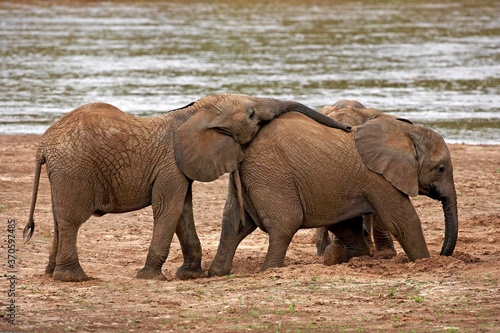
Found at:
[251, 114]
[441, 169]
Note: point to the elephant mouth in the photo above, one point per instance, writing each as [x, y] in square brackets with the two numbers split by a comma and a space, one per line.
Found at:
[432, 193]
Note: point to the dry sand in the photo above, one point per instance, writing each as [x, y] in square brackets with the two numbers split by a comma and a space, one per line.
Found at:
[440, 294]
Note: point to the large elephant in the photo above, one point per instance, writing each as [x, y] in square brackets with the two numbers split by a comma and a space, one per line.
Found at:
[297, 174]
[101, 160]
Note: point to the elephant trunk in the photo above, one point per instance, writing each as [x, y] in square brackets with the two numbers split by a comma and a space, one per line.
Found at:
[450, 225]
[288, 106]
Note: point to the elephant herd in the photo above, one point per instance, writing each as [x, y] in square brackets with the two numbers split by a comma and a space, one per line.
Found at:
[291, 167]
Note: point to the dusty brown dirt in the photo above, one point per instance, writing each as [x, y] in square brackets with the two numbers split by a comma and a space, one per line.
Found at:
[440, 294]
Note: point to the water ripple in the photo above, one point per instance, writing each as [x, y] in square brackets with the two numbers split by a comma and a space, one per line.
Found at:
[434, 63]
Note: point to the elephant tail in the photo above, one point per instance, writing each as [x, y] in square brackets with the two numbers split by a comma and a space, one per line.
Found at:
[30, 226]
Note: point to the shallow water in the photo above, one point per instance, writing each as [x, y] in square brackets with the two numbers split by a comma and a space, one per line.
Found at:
[436, 63]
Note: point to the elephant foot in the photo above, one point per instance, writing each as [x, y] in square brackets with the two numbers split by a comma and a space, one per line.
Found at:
[149, 273]
[49, 270]
[385, 254]
[187, 273]
[73, 273]
[336, 253]
[215, 270]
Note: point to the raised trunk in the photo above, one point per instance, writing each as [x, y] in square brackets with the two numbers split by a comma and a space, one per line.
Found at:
[450, 225]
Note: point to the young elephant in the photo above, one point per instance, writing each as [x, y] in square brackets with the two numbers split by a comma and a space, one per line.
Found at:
[297, 174]
[354, 113]
[101, 160]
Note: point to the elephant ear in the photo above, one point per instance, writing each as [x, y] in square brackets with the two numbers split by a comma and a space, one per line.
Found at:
[387, 149]
[205, 151]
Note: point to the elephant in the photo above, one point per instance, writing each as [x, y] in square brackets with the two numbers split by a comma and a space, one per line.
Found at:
[299, 175]
[354, 113]
[102, 160]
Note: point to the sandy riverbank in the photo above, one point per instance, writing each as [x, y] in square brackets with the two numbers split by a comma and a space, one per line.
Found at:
[437, 294]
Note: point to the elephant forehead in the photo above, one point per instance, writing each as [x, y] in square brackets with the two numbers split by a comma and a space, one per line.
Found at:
[226, 103]
[435, 145]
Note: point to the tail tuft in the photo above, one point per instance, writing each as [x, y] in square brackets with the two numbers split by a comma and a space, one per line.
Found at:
[28, 231]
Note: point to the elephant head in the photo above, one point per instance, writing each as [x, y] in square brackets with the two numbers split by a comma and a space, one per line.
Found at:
[354, 113]
[209, 143]
[415, 160]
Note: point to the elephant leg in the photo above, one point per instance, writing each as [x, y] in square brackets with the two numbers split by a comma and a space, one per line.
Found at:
[403, 223]
[349, 242]
[70, 209]
[159, 248]
[322, 240]
[168, 202]
[281, 231]
[279, 240]
[232, 233]
[189, 241]
[384, 246]
[49, 270]
[67, 266]
[231, 236]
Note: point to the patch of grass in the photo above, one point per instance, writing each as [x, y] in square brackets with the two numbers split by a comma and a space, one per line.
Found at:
[279, 312]
[292, 309]
[392, 292]
[418, 298]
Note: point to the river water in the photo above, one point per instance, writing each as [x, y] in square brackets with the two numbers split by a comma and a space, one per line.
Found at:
[436, 63]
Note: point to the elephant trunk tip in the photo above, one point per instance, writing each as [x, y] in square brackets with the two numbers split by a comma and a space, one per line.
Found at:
[451, 226]
[447, 251]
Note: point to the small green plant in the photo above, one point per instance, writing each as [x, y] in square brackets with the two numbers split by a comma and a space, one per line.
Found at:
[255, 313]
[291, 307]
[418, 298]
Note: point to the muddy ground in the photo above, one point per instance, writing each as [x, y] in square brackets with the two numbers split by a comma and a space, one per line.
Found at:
[440, 294]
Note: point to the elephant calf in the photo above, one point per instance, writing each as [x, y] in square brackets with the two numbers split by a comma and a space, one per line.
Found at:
[355, 114]
[297, 174]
